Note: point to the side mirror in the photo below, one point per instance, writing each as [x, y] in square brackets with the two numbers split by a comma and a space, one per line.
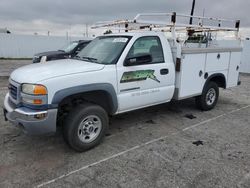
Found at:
[138, 60]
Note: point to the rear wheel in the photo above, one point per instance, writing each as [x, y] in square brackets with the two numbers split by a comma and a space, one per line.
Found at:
[85, 126]
[209, 97]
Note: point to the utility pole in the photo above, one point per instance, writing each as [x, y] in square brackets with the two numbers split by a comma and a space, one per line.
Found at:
[192, 13]
[87, 30]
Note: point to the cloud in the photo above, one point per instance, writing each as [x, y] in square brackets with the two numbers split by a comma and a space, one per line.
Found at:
[61, 16]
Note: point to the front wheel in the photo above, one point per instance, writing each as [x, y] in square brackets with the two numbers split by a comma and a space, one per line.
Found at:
[85, 127]
[209, 97]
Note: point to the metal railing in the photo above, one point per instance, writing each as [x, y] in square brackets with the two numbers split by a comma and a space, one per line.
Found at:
[172, 20]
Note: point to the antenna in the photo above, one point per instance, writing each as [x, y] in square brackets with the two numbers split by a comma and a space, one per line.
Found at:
[192, 13]
[87, 30]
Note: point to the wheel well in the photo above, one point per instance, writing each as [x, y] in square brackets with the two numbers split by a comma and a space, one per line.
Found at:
[219, 80]
[98, 97]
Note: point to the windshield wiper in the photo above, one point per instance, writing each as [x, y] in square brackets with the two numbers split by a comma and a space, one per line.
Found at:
[91, 59]
[61, 50]
[76, 57]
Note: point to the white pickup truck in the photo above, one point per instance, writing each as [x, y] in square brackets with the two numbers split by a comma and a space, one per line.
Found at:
[114, 74]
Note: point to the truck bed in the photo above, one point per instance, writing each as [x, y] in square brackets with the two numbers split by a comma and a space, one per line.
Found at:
[198, 63]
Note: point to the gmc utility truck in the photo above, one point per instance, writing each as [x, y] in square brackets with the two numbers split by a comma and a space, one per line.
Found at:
[122, 72]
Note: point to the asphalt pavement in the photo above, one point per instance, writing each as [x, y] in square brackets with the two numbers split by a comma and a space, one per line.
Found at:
[170, 145]
[7, 66]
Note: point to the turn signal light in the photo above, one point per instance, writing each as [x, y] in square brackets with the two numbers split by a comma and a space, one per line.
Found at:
[37, 101]
[40, 90]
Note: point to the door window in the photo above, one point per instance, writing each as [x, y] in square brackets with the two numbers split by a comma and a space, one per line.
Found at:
[147, 46]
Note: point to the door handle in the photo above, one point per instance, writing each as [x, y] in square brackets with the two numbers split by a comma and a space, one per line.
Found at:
[164, 71]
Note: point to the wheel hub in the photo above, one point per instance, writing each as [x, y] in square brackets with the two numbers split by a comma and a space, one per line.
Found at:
[211, 96]
[89, 128]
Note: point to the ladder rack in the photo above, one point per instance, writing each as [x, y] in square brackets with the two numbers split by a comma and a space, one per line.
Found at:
[170, 23]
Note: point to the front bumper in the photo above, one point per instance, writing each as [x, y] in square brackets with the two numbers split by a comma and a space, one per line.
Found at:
[33, 122]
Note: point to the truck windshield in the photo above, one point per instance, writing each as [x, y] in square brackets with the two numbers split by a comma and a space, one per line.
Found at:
[104, 50]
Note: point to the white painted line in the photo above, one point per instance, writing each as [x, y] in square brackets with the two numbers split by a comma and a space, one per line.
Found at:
[87, 166]
[214, 118]
[203, 122]
[164, 158]
[239, 109]
[136, 147]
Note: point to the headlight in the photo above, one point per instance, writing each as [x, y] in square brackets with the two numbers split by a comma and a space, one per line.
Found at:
[34, 94]
[32, 89]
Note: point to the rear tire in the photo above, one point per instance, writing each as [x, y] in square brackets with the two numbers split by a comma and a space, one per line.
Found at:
[209, 98]
[85, 127]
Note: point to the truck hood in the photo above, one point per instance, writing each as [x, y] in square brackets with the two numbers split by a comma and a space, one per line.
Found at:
[42, 71]
[50, 53]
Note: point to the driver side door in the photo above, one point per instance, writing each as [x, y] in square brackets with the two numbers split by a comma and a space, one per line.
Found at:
[144, 83]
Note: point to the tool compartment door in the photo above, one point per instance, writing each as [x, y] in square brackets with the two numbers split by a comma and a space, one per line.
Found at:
[233, 72]
[192, 75]
[217, 62]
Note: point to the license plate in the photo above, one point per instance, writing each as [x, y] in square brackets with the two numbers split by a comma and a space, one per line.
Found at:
[4, 114]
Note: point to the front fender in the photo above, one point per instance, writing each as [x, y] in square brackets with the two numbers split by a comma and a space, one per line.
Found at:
[62, 94]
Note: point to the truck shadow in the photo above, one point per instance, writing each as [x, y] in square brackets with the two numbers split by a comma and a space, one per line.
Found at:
[148, 115]
[120, 123]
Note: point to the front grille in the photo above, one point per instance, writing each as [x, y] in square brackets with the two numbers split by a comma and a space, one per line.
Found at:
[13, 91]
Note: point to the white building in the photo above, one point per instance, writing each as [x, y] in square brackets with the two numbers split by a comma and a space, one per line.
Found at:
[25, 46]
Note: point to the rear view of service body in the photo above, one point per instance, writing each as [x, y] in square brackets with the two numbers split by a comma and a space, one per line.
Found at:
[150, 63]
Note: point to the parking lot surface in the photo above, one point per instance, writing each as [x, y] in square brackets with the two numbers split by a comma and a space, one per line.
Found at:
[7, 66]
[170, 145]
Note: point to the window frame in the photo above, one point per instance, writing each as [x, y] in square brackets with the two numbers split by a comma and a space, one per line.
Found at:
[159, 40]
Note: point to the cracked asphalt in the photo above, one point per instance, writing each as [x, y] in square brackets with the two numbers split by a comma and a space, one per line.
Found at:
[170, 145]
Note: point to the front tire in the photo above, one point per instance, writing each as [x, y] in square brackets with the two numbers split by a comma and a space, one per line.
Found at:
[209, 98]
[85, 127]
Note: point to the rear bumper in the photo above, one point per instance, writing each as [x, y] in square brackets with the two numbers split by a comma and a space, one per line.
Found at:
[33, 122]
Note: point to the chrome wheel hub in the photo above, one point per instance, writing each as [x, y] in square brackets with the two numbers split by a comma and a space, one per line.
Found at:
[89, 129]
[211, 96]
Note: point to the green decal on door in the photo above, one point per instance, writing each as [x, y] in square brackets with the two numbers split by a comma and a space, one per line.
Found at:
[139, 75]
